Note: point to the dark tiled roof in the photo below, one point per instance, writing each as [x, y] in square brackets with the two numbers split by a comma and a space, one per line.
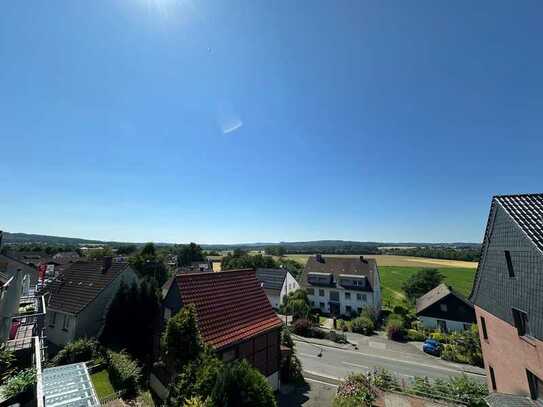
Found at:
[272, 279]
[527, 211]
[231, 306]
[9, 265]
[435, 295]
[508, 400]
[342, 265]
[80, 284]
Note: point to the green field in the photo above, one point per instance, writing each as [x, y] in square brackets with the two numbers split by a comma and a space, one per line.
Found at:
[102, 384]
[392, 278]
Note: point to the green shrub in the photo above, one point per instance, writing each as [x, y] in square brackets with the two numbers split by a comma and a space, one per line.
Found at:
[414, 335]
[197, 402]
[20, 382]
[124, 372]
[286, 338]
[372, 313]
[362, 325]
[80, 350]
[382, 379]
[439, 336]
[462, 388]
[343, 325]
[355, 390]
[463, 347]
[241, 385]
[6, 362]
[338, 338]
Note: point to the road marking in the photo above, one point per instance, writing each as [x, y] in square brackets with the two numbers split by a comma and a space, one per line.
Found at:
[357, 365]
[318, 381]
[337, 379]
[405, 361]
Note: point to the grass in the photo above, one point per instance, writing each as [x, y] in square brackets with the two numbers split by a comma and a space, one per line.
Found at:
[392, 278]
[102, 384]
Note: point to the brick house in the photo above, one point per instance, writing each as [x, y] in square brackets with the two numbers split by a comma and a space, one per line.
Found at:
[233, 314]
[342, 285]
[508, 299]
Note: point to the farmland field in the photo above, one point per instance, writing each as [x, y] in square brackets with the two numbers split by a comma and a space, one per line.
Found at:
[398, 261]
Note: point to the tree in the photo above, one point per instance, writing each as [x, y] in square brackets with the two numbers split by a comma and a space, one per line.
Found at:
[240, 385]
[421, 282]
[127, 249]
[123, 328]
[97, 254]
[296, 304]
[149, 266]
[186, 254]
[275, 251]
[181, 340]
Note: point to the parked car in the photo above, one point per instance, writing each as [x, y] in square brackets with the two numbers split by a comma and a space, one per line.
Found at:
[432, 347]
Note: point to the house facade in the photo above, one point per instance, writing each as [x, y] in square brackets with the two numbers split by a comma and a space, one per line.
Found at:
[508, 299]
[80, 297]
[342, 285]
[233, 314]
[445, 310]
[277, 283]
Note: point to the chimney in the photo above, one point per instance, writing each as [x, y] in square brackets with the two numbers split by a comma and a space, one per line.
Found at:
[108, 260]
[319, 258]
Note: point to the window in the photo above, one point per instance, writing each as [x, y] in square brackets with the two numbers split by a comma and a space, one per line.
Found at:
[443, 307]
[442, 325]
[321, 304]
[536, 386]
[334, 296]
[53, 319]
[66, 322]
[310, 291]
[167, 313]
[348, 309]
[312, 303]
[347, 296]
[483, 328]
[521, 322]
[359, 297]
[492, 378]
[509, 263]
[321, 293]
[467, 327]
[359, 310]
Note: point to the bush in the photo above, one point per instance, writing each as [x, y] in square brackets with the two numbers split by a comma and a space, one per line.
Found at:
[462, 389]
[464, 347]
[394, 329]
[6, 362]
[355, 390]
[414, 335]
[21, 382]
[343, 325]
[338, 338]
[286, 338]
[124, 372]
[372, 313]
[363, 325]
[80, 350]
[302, 327]
[197, 402]
[439, 336]
[382, 379]
[241, 385]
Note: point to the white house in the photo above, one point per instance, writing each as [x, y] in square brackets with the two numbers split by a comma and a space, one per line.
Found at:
[80, 297]
[277, 283]
[342, 285]
[443, 309]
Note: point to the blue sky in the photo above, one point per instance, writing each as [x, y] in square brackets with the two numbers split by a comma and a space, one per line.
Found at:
[220, 122]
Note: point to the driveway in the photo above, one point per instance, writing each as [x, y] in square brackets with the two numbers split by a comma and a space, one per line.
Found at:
[315, 393]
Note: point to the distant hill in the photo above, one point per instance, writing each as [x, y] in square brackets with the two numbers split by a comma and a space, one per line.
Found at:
[309, 246]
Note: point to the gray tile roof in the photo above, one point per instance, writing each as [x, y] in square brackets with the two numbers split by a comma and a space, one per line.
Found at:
[527, 211]
[342, 265]
[81, 283]
[508, 400]
[272, 279]
[435, 295]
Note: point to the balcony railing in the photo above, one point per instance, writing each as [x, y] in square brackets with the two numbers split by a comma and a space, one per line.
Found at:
[28, 323]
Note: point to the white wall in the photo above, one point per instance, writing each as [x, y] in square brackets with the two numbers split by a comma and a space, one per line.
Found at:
[372, 299]
[290, 284]
[274, 298]
[273, 380]
[56, 333]
[431, 323]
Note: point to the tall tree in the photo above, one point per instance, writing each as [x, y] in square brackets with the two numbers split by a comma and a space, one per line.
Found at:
[421, 282]
[149, 266]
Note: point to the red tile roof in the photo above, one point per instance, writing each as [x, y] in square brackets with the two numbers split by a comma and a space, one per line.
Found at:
[231, 306]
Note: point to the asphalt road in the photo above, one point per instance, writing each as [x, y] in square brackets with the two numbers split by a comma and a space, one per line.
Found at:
[335, 364]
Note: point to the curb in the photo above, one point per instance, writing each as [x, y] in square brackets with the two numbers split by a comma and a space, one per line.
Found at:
[302, 339]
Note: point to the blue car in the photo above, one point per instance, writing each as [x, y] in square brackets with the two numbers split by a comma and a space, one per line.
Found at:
[432, 347]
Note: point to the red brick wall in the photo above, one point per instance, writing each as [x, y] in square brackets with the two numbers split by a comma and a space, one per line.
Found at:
[509, 355]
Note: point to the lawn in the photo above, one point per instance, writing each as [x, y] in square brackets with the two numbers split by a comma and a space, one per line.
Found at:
[102, 384]
[392, 278]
